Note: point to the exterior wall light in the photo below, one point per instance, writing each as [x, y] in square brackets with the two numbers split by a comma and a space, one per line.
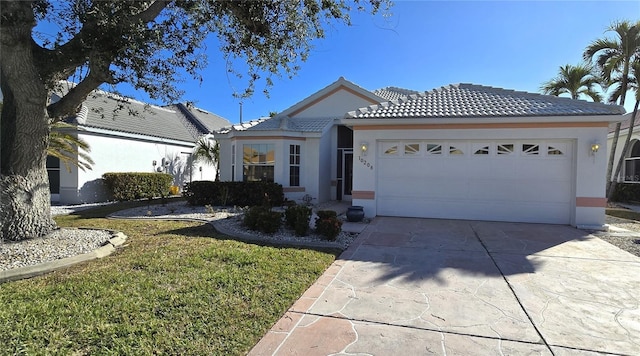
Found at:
[364, 147]
[594, 148]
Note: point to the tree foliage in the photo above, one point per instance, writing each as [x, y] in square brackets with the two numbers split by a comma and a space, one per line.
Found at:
[207, 151]
[575, 81]
[614, 58]
[68, 147]
[149, 44]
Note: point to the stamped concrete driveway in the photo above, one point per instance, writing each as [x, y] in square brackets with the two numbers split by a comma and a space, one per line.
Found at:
[451, 287]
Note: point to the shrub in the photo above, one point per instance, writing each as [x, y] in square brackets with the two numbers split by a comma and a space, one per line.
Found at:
[233, 193]
[262, 219]
[328, 226]
[251, 217]
[626, 192]
[297, 217]
[132, 186]
[326, 214]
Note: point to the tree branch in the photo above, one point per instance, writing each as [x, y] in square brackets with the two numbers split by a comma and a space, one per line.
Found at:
[68, 104]
[75, 52]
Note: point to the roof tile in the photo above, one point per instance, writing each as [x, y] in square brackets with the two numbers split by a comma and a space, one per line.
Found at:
[470, 100]
[108, 111]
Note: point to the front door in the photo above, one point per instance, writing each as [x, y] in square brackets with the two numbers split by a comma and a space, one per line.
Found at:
[345, 174]
[348, 175]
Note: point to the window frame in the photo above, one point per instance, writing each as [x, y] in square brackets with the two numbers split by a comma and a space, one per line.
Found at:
[252, 169]
[295, 160]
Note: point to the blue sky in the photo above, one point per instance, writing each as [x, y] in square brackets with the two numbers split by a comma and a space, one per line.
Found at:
[424, 45]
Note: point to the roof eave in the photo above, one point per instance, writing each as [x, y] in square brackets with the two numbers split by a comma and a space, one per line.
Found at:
[341, 82]
[350, 121]
[268, 134]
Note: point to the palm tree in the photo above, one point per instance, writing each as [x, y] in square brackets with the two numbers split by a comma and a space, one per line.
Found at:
[614, 57]
[67, 147]
[634, 84]
[574, 80]
[207, 151]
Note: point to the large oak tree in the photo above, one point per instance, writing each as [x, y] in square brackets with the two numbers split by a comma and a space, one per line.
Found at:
[145, 43]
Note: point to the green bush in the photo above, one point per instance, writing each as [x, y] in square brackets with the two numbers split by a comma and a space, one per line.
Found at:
[262, 219]
[297, 217]
[327, 225]
[626, 192]
[233, 193]
[326, 214]
[132, 186]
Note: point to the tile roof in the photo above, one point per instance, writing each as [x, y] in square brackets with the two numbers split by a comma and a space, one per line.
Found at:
[470, 100]
[626, 123]
[108, 111]
[241, 126]
[210, 120]
[394, 93]
[283, 123]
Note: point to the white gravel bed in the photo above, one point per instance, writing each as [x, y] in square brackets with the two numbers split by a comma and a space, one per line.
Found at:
[68, 209]
[70, 242]
[629, 240]
[59, 244]
[231, 220]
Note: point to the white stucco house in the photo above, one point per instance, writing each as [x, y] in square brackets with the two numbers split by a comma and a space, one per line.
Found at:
[630, 172]
[462, 151]
[130, 136]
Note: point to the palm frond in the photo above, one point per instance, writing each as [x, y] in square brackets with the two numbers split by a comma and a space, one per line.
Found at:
[614, 57]
[573, 80]
[206, 151]
[66, 146]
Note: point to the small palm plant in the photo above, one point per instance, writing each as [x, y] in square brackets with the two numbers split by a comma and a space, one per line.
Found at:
[207, 151]
[69, 148]
[574, 80]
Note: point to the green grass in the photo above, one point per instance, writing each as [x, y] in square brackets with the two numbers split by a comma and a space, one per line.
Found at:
[175, 288]
[623, 213]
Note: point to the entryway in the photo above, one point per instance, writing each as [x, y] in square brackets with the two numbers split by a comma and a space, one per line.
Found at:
[344, 177]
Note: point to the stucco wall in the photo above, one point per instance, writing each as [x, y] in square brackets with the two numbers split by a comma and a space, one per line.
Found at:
[589, 170]
[336, 104]
[126, 154]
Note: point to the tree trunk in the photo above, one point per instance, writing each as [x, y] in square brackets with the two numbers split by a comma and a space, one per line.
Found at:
[611, 189]
[612, 157]
[25, 208]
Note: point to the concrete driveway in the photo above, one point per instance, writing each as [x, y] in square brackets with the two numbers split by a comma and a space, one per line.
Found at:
[451, 287]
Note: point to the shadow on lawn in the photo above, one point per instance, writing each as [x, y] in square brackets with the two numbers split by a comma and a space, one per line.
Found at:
[207, 230]
[100, 212]
[203, 230]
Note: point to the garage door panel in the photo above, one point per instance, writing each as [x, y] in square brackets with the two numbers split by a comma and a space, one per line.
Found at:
[488, 210]
[514, 187]
[428, 188]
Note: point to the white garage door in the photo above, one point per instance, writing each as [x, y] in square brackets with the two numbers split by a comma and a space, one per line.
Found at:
[525, 181]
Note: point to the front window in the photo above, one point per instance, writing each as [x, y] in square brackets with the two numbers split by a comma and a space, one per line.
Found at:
[233, 163]
[632, 164]
[53, 170]
[294, 165]
[258, 162]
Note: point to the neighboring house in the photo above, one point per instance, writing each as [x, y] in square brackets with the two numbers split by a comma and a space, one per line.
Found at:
[130, 136]
[630, 172]
[462, 151]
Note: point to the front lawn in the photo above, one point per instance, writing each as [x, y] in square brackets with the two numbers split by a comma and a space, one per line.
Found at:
[175, 288]
[623, 213]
